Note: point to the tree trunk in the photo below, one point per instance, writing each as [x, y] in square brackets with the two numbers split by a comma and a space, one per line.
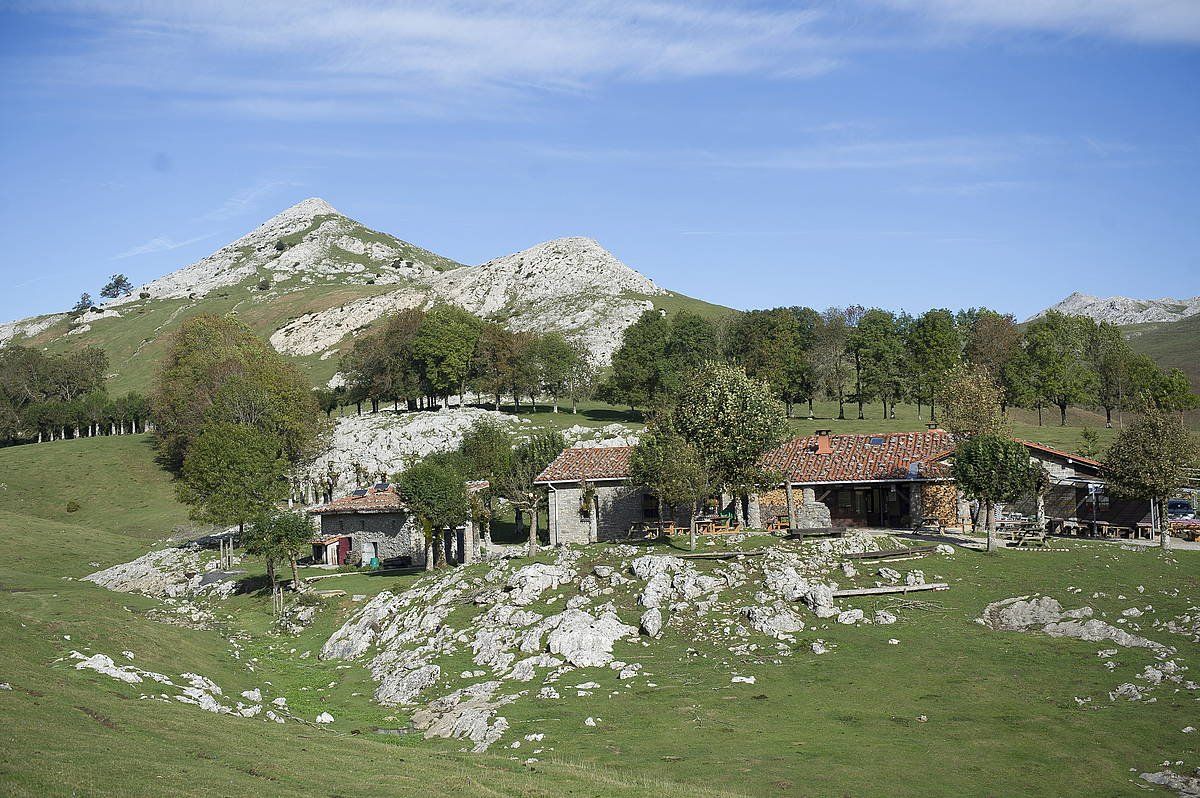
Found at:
[533, 541]
[1164, 533]
[1039, 415]
[1062, 410]
[555, 403]
[1108, 418]
[990, 515]
[692, 526]
[841, 407]
[295, 574]
[574, 406]
[520, 520]
[810, 408]
[437, 539]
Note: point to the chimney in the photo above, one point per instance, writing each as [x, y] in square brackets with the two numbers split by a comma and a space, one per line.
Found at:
[824, 441]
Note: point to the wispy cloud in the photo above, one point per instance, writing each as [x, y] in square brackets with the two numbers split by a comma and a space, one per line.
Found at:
[1131, 20]
[246, 199]
[159, 244]
[319, 58]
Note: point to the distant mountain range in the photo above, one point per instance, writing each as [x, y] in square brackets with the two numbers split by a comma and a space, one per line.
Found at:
[1122, 310]
[310, 277]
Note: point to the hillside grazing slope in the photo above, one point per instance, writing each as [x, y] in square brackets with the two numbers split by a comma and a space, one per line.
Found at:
[1173, 345]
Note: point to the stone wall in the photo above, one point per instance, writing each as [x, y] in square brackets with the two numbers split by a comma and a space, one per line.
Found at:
[396, 535]
[617, 507]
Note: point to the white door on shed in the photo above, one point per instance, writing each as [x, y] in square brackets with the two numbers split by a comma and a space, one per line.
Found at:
[369, 550]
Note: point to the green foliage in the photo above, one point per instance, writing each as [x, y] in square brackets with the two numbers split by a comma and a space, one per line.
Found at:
[443, 348]
[771, 345]
[218, 371]
[1056, 350]
[656, 356]
[1089, 442]
[971, 403]
[529, 458]
[992, 468]
[435, 492]
[934, 349]
[1150, 458]
[231, 474]
[83, 304]
[487, 449]
[669, 466]
[731, 420]
[72, 506]
[117, 285]
[278, 537]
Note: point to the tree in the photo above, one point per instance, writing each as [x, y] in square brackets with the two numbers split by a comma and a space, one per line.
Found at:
[732, 421]
[84, 304]
[487, 448]
[691, 342]
[515, 483]
[581, 382]
[443, 348]
[557, 359]
[1150, 459]
[832, 368]
[1108, 355]
[117, 285]
[492, 364]
[971, 403]
[232, 473]
[991, 469]
[217, 370]
[771, 345]
[435, 492]
[279, 536]
[672, 469]
[526, 372]
[639, 362]
[380, 365]
[933, 350]
[878, 349]
[1056, 347]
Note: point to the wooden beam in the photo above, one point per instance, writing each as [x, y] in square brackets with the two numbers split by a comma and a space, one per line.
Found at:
[881, 591]
[889, 553]
[721, 555]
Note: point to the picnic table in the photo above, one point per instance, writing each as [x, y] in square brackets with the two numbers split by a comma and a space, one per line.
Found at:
[714, 524]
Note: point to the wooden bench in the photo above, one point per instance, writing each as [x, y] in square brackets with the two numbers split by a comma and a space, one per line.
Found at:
[1030, 536]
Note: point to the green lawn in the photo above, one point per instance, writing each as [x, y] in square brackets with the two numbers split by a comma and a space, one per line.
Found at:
[1000, 709]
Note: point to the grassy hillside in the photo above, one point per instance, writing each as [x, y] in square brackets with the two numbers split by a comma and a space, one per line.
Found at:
[977, 712]
[1171, 344]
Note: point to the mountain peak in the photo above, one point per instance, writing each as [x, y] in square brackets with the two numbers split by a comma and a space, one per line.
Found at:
[1124, 310]
[303, 210]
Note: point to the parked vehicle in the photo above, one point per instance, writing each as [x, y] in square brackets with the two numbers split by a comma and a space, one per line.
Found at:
[1180, 509]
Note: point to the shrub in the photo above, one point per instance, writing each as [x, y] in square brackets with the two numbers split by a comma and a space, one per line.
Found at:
[72, 506]
[280, 245]
[264, 284]
[144, 295]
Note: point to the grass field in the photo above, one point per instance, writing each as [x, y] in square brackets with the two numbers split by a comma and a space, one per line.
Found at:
[1000, 709]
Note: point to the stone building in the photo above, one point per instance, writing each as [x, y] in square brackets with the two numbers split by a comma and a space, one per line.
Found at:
[375, 524]
[891, 480]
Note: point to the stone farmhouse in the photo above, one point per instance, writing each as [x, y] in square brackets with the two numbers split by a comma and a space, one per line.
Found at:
[374, 524]
[893, 480]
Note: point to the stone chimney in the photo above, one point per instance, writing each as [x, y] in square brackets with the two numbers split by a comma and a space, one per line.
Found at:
[824, 441]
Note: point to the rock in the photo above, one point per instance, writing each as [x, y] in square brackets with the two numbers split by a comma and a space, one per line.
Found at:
[1132, 612]
[774, 621]
[884, 618]
[914, 578]
[1021, 613]
[324, 717]
[1097, 630]
[103, 664]
[404, 687]
[603, 571]
[652, 622]
[944, 548]
[653, 564]
[1186, 786]
[742, 680]
[165, 573]
[466, 713]
[530, 581]
[584, 640]
[657, 592]
[889, 573]
[819, 599]
[848, 570]
[819, 647]
[893, 642]
[589, 721]
[850, 616]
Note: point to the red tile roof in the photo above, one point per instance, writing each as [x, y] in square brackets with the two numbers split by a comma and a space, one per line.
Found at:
[853, 459]
[1078, 458]
[590, 462]
[375, 501]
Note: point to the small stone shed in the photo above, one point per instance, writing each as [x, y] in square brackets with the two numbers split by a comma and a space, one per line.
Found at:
[375, 523]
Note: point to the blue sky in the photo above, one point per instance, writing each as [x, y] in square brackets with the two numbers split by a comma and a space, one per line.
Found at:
[898, 153]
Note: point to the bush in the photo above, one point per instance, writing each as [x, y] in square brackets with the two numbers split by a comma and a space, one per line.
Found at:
[280, 245]
[144, 295]
[72, 506]
[264, 284]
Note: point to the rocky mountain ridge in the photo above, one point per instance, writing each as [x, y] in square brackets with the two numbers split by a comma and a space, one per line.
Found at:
[1122, 310]
[570, 285]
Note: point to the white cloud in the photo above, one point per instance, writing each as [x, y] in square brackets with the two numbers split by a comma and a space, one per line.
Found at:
[159, 244]
[246, 199]
[1132, 20]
